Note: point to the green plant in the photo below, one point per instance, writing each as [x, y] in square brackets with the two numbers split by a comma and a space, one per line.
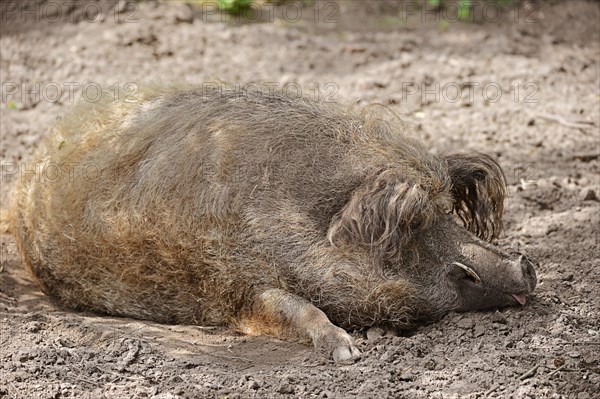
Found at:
[234, 6]
[464, 7]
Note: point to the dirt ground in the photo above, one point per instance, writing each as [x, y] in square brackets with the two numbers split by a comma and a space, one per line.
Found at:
[523, 85]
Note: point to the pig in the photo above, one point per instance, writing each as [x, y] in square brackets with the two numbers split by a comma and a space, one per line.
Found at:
[269, 213]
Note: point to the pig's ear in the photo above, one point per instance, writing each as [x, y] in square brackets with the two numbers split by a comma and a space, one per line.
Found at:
[478, 188]
[384, 214]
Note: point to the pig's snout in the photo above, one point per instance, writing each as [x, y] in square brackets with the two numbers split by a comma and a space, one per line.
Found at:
[528, 272]
[528, 276]
[489, 279]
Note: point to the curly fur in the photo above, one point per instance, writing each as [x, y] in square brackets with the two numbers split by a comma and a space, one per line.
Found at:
[478, 188]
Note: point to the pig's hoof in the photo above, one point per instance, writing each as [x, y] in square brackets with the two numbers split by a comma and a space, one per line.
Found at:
[345, 353]
[337, 343]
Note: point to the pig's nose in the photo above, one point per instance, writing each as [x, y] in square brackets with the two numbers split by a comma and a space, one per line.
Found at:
[528, 271]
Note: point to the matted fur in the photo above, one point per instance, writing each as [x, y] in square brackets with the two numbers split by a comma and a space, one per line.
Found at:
[389, 210]
[479, 188]
[184, 206]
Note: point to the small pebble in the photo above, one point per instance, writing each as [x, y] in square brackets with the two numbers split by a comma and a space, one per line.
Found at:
[587, 194]
[286, 389]
[466, 323]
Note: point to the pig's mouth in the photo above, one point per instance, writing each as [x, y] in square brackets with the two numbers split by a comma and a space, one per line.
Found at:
[520, 298]
[473, 281]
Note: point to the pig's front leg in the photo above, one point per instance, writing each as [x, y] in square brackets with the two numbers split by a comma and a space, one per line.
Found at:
[286, 316]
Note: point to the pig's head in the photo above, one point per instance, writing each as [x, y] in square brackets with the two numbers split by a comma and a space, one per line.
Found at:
[463, 272]
[431, 226]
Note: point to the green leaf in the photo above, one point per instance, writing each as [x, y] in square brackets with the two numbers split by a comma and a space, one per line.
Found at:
[11, 105]
[61, 145]
[234, 6]
[464, 9]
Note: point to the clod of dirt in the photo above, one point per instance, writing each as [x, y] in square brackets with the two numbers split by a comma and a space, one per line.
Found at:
[285, 389]
[374, 333]
[587, 194]
[183, 13]
[466, 323]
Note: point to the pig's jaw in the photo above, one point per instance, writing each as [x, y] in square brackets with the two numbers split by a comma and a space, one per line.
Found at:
[478, 296]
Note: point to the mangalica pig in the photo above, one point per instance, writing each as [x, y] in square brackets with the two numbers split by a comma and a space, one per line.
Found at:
[269, 213]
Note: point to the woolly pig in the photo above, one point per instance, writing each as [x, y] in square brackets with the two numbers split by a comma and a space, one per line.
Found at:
[272, 214]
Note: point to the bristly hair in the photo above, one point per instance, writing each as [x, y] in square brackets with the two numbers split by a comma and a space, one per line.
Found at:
[386, 212]
[478, 188]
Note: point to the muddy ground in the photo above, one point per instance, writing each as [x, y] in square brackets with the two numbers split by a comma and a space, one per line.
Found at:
[523, 85]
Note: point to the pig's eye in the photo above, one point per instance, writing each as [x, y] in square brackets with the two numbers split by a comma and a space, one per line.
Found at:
[469, 273]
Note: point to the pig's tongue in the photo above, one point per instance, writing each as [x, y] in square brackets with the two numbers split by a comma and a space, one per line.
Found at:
[520, 298]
